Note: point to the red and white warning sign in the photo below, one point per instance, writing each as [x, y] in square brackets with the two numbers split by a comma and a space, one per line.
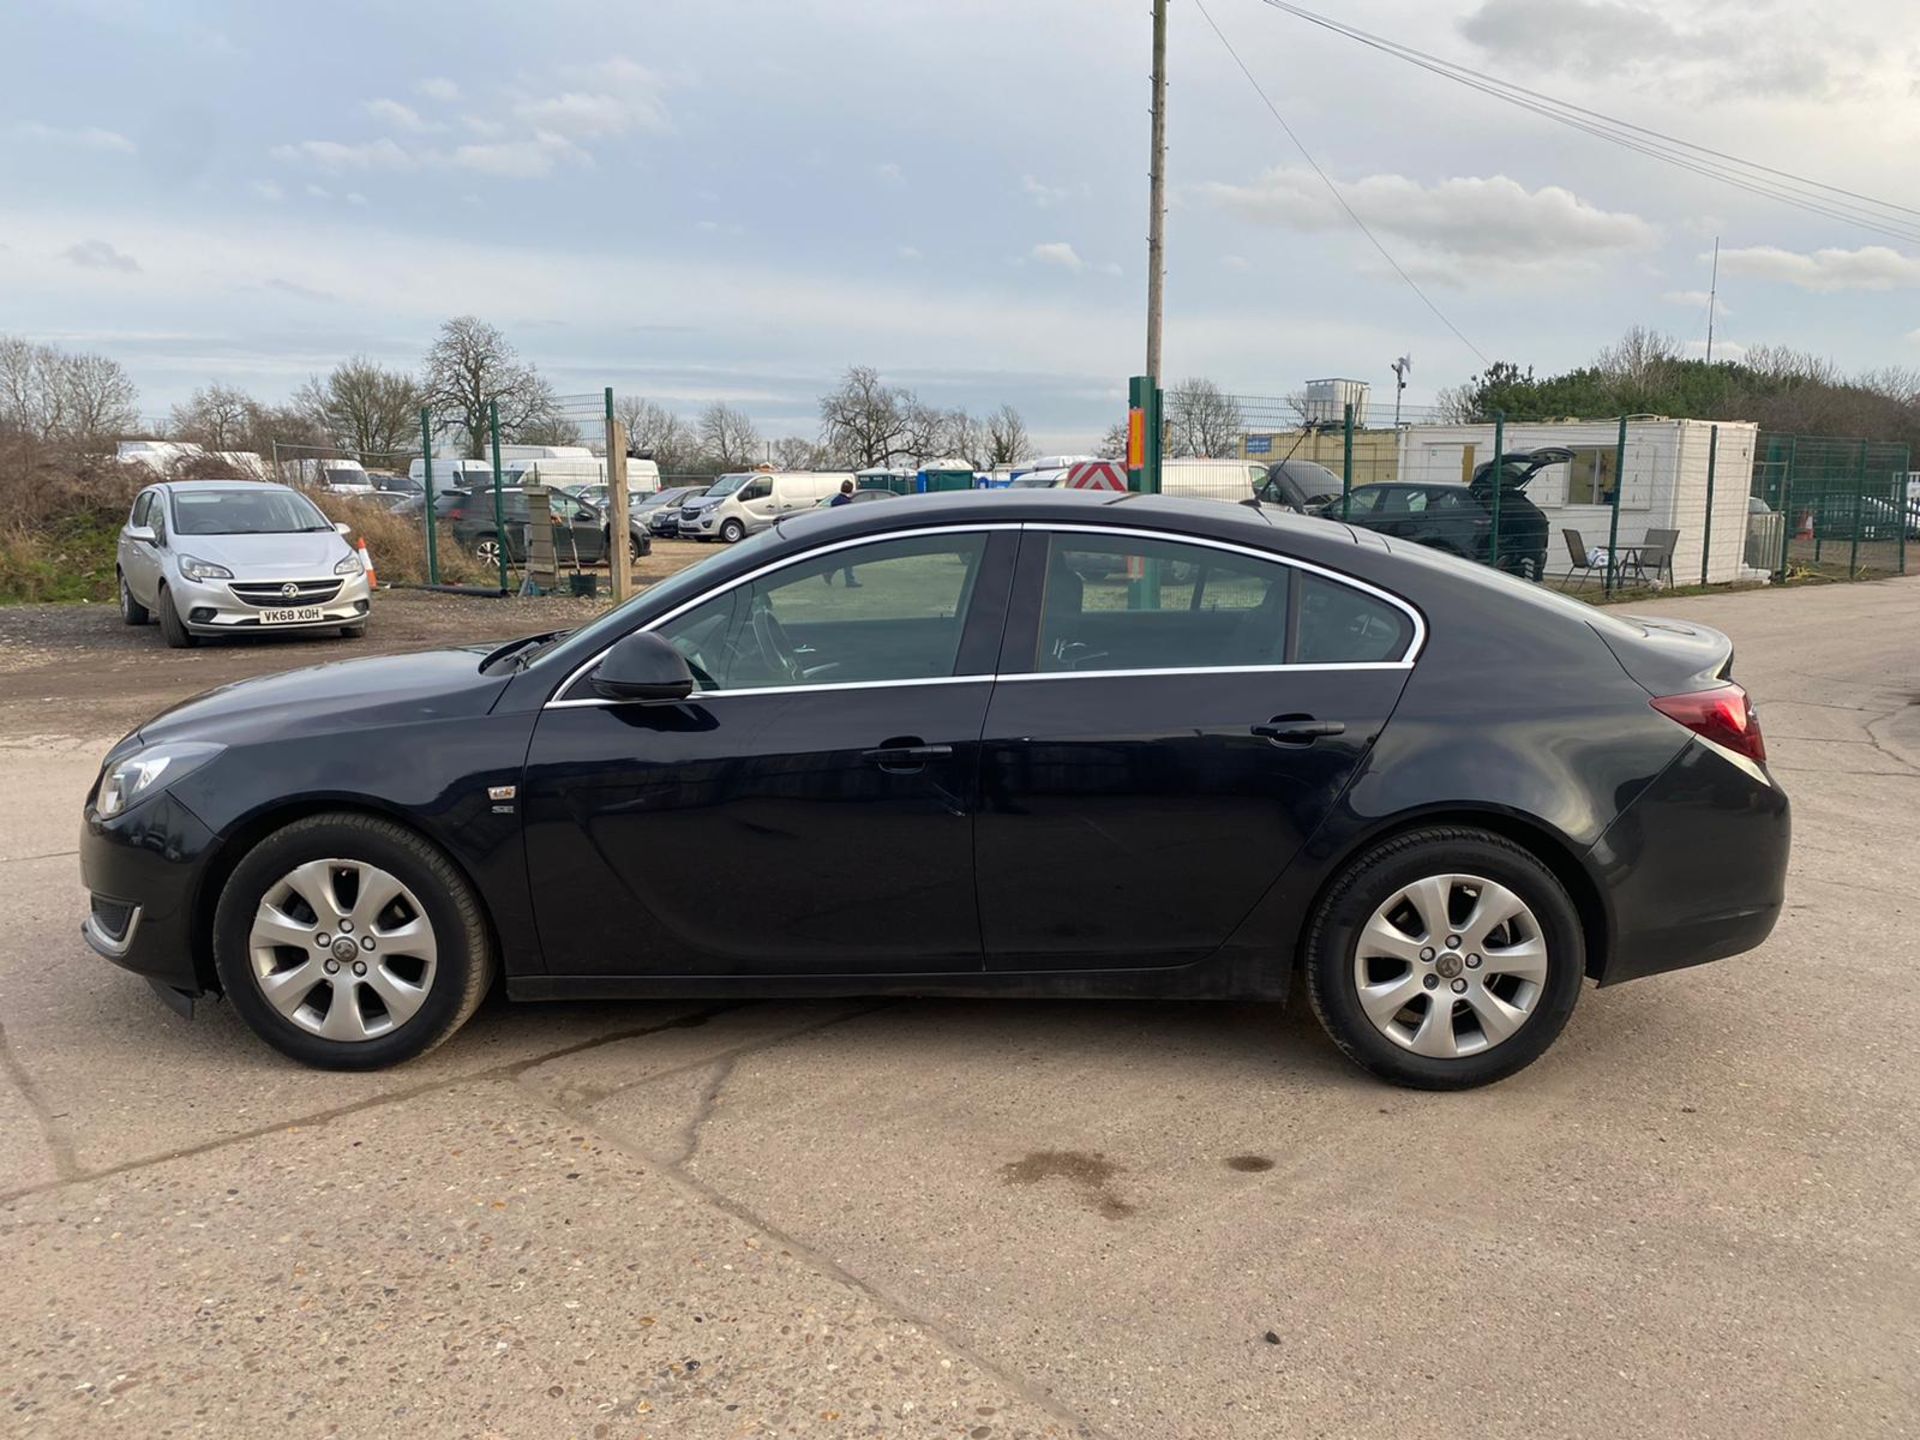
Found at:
[1097, 475]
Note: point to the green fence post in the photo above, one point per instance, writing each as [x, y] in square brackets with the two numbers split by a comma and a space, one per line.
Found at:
[1786, 510]
[1499, 474]
[1613, 526]
[1156, 436]
[499, 514]
[1859, 505]
[426, 459]
[1903, 507]
[1706, 528]
[1346, 463]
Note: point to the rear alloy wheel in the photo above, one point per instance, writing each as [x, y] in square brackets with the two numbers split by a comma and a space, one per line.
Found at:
[351, 943]
[171, 626]
[1445, 958]
[487, 549]
[131, 610]
[733, 532]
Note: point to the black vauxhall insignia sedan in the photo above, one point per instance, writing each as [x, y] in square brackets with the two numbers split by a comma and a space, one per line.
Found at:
[1028, 744]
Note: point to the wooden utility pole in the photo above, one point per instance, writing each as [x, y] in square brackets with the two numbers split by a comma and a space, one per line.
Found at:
[619, 542]
[1157, 192]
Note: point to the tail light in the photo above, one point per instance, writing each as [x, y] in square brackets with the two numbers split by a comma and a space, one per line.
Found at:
[1724, 715]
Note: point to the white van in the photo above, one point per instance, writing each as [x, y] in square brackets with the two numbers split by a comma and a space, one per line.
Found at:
[1211, 479]
[736, 506]
[465, 474]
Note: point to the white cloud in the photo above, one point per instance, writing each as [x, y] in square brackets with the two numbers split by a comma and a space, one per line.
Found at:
[592, 116]
[438, 87]
[520, 159]
[268, 190]
[1871, 267]
[1045, 195]
[1698, 300]
[335, 156]
[86, 137]
[483, 127]
[99, 255]
[1112, 267]
[1057, 252]
[319, 192]
[1722, 350]
[1456, 220]
[354, 197]
[909, 252]
[890, 173]
[1235, 262]
[396, 116]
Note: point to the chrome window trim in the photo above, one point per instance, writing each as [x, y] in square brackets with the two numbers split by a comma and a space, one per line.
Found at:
[1405, 662]
[768, 569]
[1407, 656]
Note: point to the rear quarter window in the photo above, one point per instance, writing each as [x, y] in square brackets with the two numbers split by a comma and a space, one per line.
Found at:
[1339, 625]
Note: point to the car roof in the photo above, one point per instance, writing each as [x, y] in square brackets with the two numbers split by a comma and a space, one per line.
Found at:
[221, 485]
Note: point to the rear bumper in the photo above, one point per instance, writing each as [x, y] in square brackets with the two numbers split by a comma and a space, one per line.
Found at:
[142, 871]
[1695, 868]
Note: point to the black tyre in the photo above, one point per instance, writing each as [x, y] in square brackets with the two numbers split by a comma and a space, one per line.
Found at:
[732, 531]
[171, 626]
[131, 610]
[406, 956]
[1445, 958]
[486, 549]
[634, 549]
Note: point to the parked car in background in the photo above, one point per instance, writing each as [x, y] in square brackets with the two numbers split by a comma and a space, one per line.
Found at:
[386, 482]
[464, 474]
[736, 506]
[338, 477]
[859, 497]
[662, 509]
[1847, 516]
[1435, 802]
[1458, 519]
[219, 557]
[1303, 486]
[580, 533]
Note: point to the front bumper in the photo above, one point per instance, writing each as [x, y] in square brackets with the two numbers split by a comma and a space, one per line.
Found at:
[1696, 867]
[211, 607]
[143, 870]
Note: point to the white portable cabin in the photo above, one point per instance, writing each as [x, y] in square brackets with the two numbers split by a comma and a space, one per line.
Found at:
[1666, 483]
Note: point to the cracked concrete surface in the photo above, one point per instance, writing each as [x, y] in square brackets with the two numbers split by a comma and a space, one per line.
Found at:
[991, 1219]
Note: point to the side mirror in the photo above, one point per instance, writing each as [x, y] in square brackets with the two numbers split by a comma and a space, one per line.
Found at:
[643, 667]
[341, 527]
[142, 534]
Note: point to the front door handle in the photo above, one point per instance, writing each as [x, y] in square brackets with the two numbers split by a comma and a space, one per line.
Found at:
[1298, 729]
[906, 755]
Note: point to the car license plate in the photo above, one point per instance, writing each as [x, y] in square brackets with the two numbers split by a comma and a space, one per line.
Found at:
[296, 615]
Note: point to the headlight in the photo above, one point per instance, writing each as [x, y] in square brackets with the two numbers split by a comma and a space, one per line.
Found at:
[196, 569]
[349, 566]
[141, 773]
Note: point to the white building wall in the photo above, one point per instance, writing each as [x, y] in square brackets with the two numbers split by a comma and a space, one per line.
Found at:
[1665, 486]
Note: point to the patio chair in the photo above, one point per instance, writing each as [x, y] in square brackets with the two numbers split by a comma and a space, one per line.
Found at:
[1579, 559]
[1656, 553]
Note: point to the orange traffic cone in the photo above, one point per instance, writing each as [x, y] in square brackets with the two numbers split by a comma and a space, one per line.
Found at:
[366, 563]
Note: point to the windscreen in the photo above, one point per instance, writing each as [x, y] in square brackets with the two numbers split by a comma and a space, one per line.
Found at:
[244, 512]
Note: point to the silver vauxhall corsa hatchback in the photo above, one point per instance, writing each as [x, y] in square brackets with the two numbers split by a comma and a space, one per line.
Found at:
[215, 557]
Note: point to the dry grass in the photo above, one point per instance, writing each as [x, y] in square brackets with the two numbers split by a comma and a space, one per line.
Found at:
[398, 544]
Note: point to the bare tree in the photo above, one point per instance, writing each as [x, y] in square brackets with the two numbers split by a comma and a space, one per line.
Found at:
[964, 437]
[1201, 419]
[216, 416]
[796, 452]
[923, 428]
[657, 432]
[1007, 441]
[50, 394]
[1638, 358]
[864, 421]
[1894, 382]
[729, 438]
[366, 411]
[552, 428]
[471, 367]
[1113, 444]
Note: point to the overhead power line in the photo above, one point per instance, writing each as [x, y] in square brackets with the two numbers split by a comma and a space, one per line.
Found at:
[1817, 197]
[1334, 190]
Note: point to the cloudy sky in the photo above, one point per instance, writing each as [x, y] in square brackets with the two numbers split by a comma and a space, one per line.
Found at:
[735, 199]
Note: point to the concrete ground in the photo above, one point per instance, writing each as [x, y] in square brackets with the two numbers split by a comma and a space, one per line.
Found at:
[1696, 1216]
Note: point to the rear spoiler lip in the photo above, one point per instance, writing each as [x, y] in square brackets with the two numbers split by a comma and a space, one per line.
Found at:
[1674, 658]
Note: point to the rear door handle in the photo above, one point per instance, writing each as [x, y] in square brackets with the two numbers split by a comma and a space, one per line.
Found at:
[1298, 729]
[906, 756]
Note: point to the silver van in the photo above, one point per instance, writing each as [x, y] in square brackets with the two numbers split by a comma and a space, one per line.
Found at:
[736, 506]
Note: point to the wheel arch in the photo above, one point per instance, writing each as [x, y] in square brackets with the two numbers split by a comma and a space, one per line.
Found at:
[249, 832]
[1537, 838]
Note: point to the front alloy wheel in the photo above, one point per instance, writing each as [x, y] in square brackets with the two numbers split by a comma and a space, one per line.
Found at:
[350, 942]
[1445, 958]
